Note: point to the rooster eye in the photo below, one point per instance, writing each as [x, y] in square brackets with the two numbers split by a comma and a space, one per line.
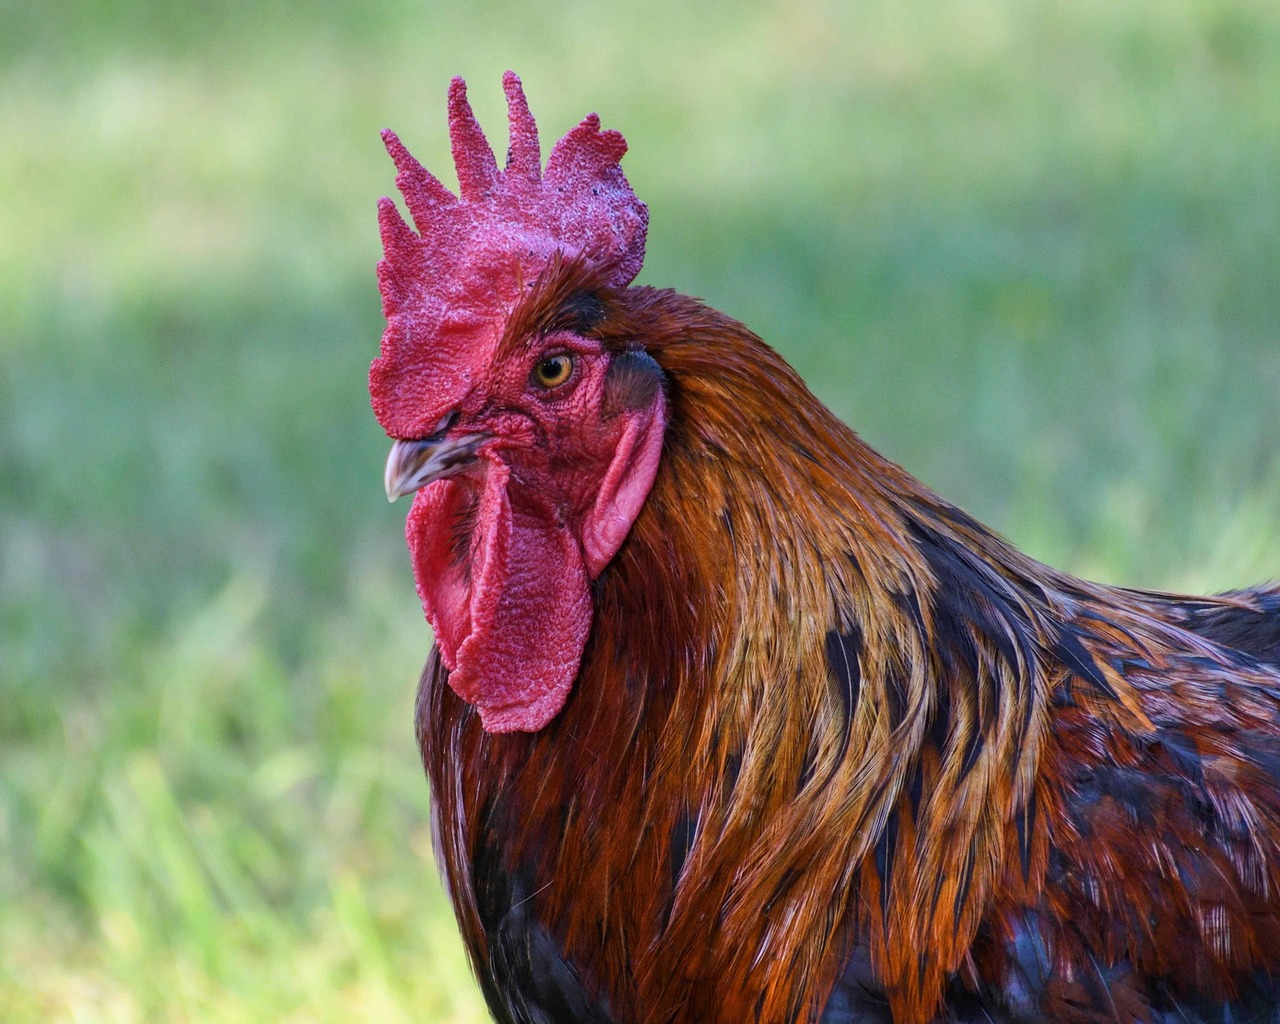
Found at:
[553, 371]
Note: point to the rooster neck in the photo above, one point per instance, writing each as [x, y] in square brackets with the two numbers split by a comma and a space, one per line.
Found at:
[747, 720]
[877, 666]
[830, 746]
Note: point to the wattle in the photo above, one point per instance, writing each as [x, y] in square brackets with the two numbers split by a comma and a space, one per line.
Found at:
[506, 592]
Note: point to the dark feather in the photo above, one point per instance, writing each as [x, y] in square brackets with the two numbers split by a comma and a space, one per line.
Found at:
[837, 753]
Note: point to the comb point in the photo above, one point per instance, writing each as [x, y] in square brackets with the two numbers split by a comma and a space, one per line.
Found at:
[472, 154]
[423, 192]
[524, 154]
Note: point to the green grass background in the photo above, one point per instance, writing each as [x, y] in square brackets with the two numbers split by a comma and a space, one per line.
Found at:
[1030, 250]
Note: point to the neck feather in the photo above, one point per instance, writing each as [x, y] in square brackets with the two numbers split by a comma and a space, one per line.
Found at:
[793, 590]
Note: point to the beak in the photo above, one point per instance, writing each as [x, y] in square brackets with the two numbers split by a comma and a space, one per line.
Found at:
[413, 464]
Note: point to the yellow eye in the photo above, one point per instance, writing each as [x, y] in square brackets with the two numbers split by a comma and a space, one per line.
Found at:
[553, 371]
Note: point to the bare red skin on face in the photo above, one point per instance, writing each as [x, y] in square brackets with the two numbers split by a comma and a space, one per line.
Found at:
[504, 555]
[505, 552]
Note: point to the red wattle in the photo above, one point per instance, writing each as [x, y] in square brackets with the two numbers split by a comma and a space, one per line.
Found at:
[509, 603]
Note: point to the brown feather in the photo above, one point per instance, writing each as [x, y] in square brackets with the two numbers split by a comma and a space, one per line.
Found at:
[720, 820]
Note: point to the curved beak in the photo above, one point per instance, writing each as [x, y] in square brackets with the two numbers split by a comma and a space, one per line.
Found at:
[413, 464]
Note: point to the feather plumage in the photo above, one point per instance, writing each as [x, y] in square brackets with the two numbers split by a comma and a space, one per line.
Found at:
[834, 746]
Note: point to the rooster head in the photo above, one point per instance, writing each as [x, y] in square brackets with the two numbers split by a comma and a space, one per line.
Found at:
[531, 440]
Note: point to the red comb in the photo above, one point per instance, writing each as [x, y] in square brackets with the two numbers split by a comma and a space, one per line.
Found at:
[504, 224]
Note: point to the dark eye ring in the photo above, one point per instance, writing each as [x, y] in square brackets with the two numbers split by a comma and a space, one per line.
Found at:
[553, 371]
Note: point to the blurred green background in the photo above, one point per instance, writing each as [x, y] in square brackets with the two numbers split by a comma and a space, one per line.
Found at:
[1030, 250]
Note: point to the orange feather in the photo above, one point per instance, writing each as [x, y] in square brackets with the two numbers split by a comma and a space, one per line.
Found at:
[834, 744]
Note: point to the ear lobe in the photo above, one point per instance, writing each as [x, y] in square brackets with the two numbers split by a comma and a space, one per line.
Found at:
[635, 460]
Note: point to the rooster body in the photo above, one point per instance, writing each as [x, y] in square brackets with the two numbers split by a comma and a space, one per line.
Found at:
[830, 750]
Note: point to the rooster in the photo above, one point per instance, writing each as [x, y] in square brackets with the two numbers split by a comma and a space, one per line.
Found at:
[728, 718]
